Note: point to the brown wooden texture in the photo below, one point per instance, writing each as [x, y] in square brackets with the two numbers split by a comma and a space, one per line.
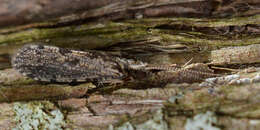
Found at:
[153, 31]
[17, 12]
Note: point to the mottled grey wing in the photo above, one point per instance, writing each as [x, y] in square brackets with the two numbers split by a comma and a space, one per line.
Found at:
[53, 64]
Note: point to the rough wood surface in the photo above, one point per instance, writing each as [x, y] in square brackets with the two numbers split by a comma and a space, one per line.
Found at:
[160, 32]
[236, 55]
[15, 87]
[18, 12]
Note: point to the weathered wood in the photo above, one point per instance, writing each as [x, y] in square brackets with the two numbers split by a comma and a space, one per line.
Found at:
[236, 55]
[161, 41]
[18, 12]
[15, 87]
[157, 32]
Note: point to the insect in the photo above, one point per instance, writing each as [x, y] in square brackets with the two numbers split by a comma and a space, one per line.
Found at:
[53, 64]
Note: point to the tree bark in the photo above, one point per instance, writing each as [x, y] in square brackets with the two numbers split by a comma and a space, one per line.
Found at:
[18, 12]
[153, 31]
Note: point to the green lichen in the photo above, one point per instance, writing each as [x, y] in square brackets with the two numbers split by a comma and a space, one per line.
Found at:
[200, 22]
[85, 36]
[203, 121]
[91, 36]
[38, 115]
[235, 21]
[157, 122]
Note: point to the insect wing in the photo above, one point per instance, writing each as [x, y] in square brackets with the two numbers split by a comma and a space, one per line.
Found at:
[53, 64]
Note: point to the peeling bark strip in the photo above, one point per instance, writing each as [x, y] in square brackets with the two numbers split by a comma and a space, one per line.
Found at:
[236, 55]
[17, 12]
[53, 64]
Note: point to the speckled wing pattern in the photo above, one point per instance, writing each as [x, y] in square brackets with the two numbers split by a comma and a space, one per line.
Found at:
[53, 64]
